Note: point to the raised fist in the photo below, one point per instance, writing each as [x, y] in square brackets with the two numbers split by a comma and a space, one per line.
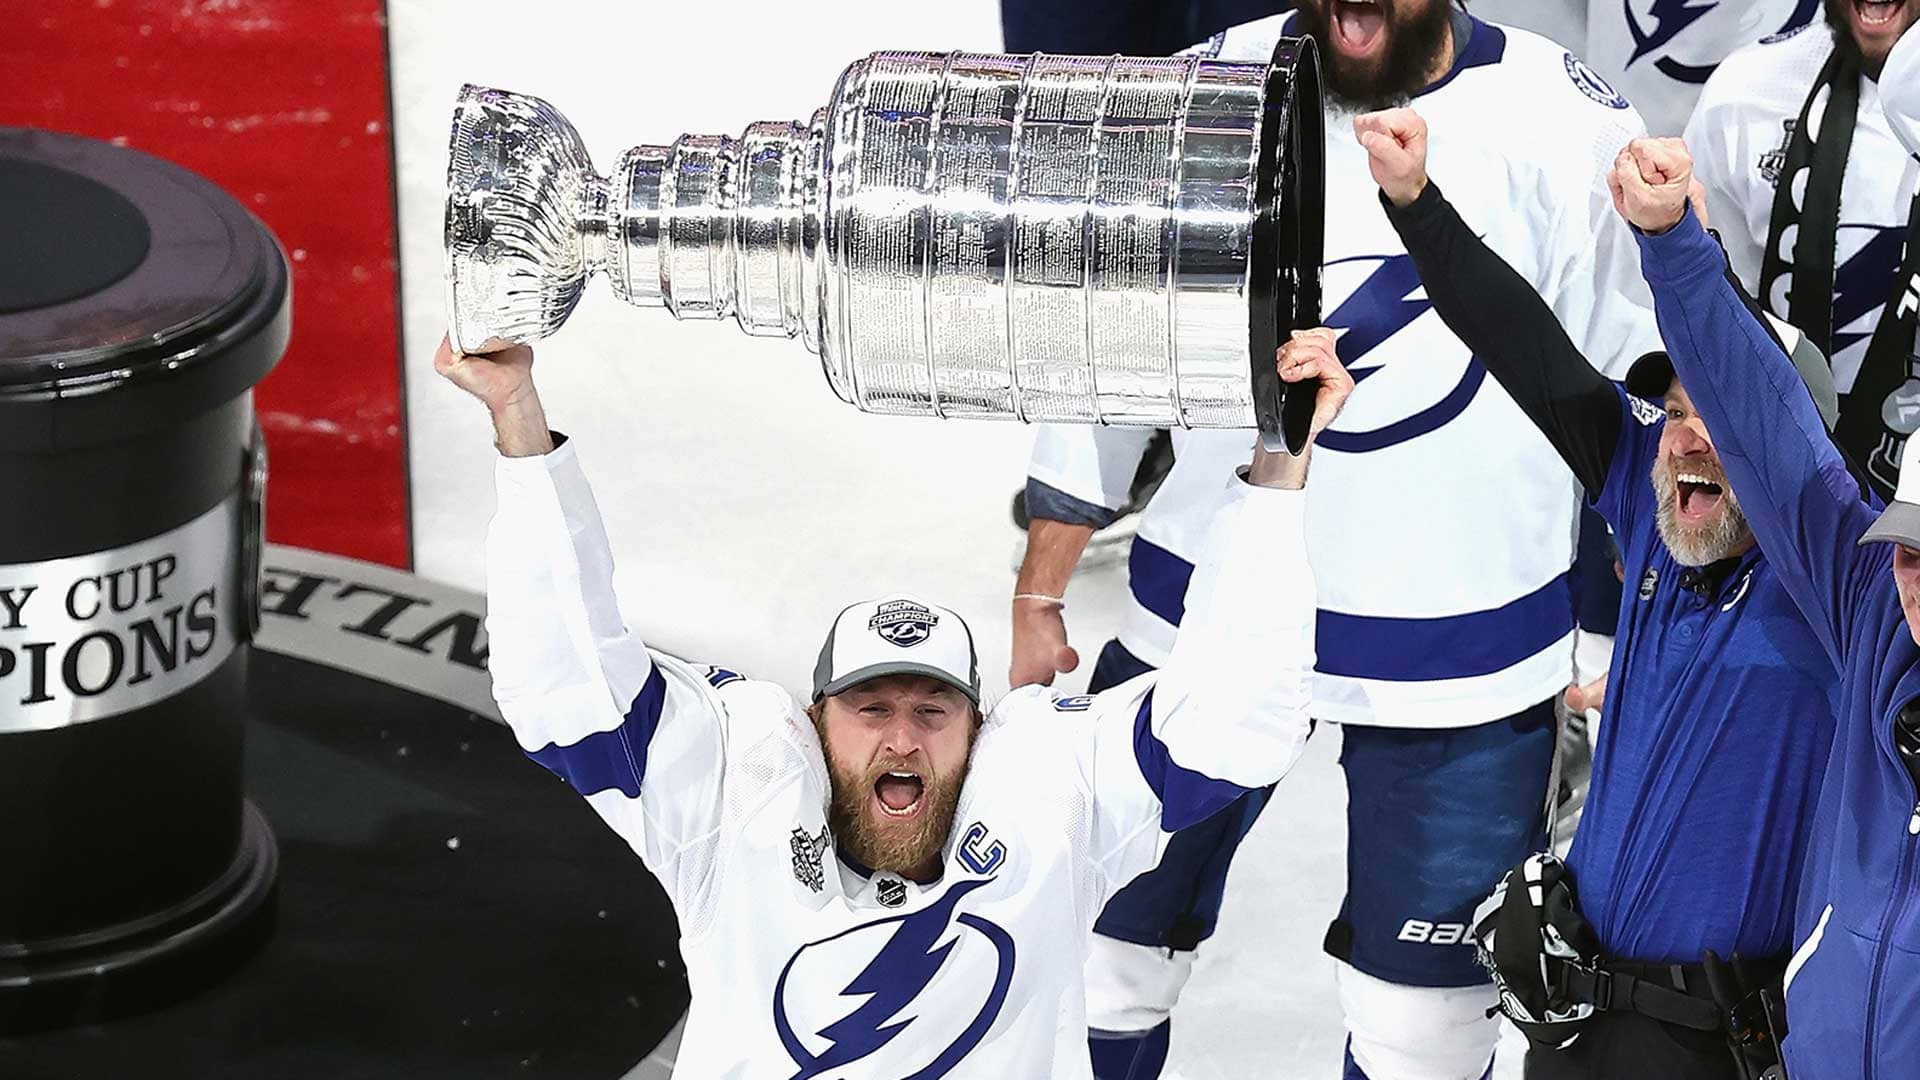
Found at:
[497, 379]
[1396, 143]
[1651, 181]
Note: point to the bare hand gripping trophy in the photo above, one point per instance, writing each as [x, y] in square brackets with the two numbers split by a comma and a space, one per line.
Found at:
[1042, 238]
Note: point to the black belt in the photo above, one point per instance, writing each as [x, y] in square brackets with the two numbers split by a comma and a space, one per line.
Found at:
[1672, 993]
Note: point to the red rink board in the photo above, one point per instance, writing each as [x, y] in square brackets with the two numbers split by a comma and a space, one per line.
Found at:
[285, 104]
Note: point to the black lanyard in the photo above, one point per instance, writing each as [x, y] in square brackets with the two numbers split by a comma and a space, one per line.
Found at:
[1883, 407]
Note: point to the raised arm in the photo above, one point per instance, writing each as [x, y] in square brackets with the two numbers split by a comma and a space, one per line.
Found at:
[1489, 306]
[1806, 509]
[1228, 712]
[583, 695]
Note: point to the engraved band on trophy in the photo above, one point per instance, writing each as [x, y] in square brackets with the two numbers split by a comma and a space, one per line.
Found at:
[1051, 238]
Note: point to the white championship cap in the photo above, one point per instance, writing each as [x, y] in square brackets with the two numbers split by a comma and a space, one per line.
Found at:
[1900, 521]
[897, 635]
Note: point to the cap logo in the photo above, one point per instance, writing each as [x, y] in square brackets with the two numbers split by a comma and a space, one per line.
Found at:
[903, 622]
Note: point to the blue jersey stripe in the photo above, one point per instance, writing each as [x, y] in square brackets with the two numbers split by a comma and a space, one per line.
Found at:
[1449, 647]
[1186, 797]
[1385, 647]
[614, 759]
[1159, 579]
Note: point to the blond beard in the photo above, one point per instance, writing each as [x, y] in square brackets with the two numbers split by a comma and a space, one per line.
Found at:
[1697, 546]
[849, 813]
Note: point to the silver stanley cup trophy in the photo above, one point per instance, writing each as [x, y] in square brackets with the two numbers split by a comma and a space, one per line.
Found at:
[1106, 240]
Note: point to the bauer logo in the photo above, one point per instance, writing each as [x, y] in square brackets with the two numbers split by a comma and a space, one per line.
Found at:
[91, 636]
[1591, 84]
[1422, 932]
[903, 622]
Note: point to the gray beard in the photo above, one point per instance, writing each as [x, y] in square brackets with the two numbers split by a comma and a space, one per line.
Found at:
[1697, 546]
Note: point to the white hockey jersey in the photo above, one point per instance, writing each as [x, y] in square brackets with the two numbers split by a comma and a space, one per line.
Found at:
[802, 965]
[1738, 136]
[1661, 52]
[1900, 92]
[1443, 523]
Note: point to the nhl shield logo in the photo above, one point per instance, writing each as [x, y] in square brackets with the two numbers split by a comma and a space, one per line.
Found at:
[903, 622]
[891, 892]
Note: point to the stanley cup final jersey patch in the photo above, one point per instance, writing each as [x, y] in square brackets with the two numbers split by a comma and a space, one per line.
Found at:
[809, 857]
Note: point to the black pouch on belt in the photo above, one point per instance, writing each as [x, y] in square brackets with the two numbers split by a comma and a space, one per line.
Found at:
[1752, 997]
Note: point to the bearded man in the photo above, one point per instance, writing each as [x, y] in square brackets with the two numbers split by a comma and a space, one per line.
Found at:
[1853, 567]
[1441, 660]
[892, 881]
[1816, 201]
[1713, 741]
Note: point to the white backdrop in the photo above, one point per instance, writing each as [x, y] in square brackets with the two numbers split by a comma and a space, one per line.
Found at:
[746, 504]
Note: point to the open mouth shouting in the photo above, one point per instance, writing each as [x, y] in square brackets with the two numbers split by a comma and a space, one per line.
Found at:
[900, 793]
[1874, 14]
[1696, 497]
[1358, 26]
[1874, 25]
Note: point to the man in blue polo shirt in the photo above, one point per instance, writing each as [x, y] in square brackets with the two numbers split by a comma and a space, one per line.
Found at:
[1719, 713]
[1853, 987]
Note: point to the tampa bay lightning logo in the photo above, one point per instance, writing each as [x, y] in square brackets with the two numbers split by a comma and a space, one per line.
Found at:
[1666, 19]
[1387, 302]
[903, 622]
[1863, 281]
[942, 976]
[1591, 84]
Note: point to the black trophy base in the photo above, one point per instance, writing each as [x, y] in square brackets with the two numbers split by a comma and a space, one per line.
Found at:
[446, 910]
[163, 958]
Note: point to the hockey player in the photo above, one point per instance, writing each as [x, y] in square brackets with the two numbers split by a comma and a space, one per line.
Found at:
[1815, 200]
[1447, 611]
[1661, 52]
[1853, 986]
[885, 883]
[1727, 696]
[1900, 95]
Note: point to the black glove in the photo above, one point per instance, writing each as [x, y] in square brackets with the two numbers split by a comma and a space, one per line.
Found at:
[1525, 935]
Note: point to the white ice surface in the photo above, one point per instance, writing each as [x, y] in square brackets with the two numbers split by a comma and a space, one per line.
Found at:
[746, 504]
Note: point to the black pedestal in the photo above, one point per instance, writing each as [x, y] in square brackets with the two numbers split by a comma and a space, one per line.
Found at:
[138, 309]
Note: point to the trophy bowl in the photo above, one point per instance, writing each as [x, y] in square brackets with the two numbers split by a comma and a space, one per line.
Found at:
[1042, 238]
